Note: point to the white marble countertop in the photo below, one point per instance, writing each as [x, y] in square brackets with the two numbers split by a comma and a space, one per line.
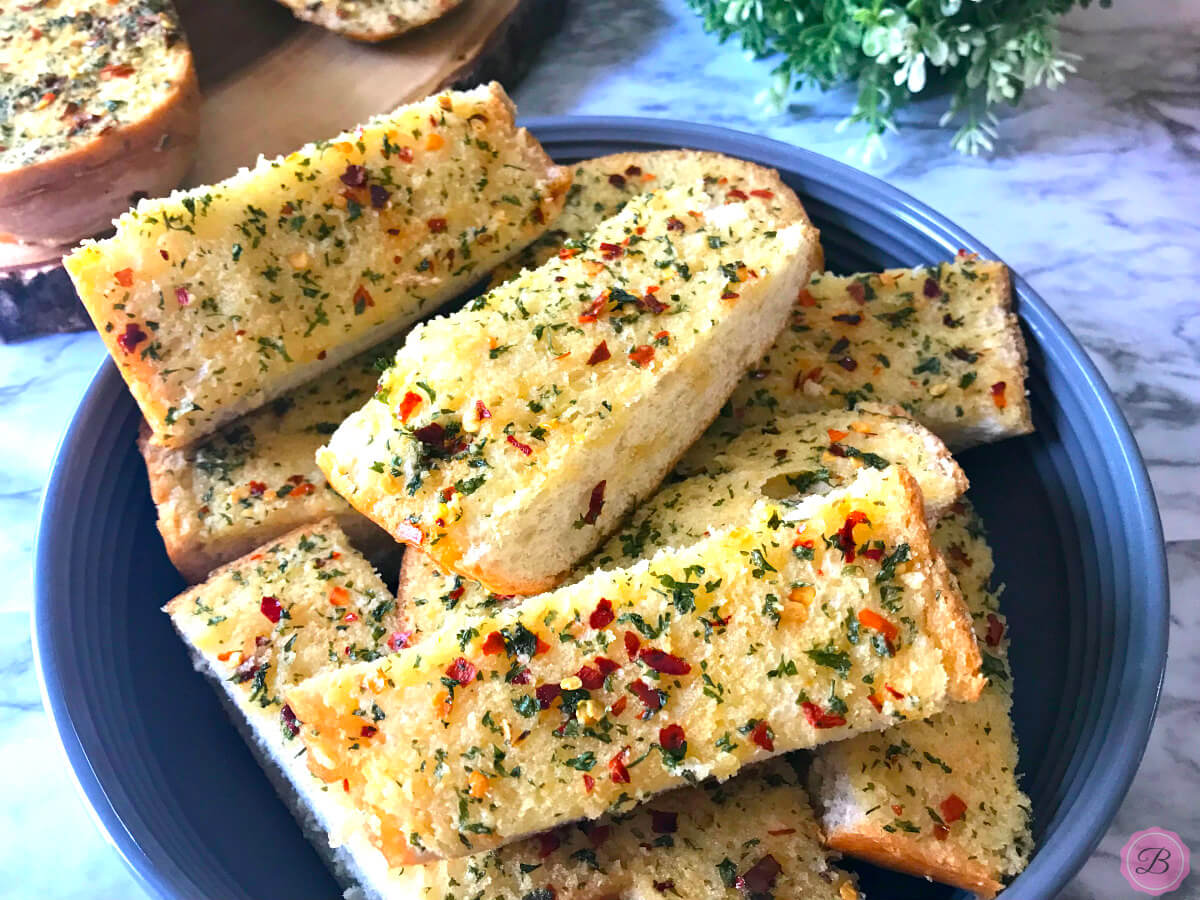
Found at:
[1093, 196]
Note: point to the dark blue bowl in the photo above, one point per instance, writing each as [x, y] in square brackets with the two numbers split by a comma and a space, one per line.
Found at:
[1070, 510]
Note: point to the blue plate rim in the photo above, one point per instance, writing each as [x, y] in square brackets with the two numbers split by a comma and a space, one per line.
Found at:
[1140, 514]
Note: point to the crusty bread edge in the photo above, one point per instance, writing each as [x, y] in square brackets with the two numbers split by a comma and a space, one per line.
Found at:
[330, 21]
[100, 175]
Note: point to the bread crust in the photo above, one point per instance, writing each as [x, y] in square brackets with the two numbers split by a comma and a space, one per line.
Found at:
[328, 18]
[944, 863]
[78, 193]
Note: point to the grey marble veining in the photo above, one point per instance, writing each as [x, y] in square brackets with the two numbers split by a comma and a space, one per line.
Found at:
[1093, 196]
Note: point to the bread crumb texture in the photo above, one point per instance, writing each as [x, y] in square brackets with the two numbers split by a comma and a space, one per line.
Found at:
[795, 456]
[257, 478]
[60, 93]
[539, 413]
[801, 626]
[940, 797]
[216, 300]
[370, 20]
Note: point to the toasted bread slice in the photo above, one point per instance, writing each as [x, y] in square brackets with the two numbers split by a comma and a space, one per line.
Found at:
[695, 839]
[797, 455]
[215, 301]
[370, 20]
[257, 478]
[86, 132]
[510, 437]
[601, 187]
[940, 341]
[939, 798]
[805, 624]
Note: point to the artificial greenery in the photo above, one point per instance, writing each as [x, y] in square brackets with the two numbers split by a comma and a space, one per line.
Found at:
[986, 52]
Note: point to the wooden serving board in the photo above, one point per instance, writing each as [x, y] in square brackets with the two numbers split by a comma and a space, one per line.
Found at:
[272, 83]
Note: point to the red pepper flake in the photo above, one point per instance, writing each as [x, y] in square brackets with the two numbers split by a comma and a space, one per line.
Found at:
[117, 70]
[995, 630]
[600, 354]
[674, 224]
[940, 832]
[493, 644]
[541, 646]
[632, 643]
[257, 488]
[875, 702]
[399, 640]
[461, 670]
[633, 170]
[777, 832]
[998, 395]
[870, 619]
[729, 295]
[481, 411]
[522, 676]
[567, 252]
[595, 309]
[672, 738]
[759, 878]
[362, 299]
[804, 298]
[548, 842]
[661, 661]
[836, 435]
[291, 725]
[346, 785]
[124, 277]
[591, 677]
[182, 296]
[849, 363]
[436, 226]
[845, 535]
[895, 693]
[272, 609]
[616, 768]
[354, 176]
[641, 356]
[931, 288]
[857, 290]
[605, 665]
[952, 808]
[369, 731]
[650, 697]
[546, 693]
[589, 783]
[524, 448]
[619, 707]
[595, 505]
[897, 809]
[602, 615]
[818, 718]
[652, 304]
[350, 617]
[873, 553]
[763, 736]
[611, 251]
[848, 318]
[735, 194]
[379, 196]
[762, 194]
[408, 533]
[664, 821]
[810, 375]
[339, 596]
[617, 181]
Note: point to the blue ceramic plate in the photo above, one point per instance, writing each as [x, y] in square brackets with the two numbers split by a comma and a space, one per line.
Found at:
[1070, 511]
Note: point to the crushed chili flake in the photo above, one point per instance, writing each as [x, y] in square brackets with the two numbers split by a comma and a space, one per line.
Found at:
[876, 702]
[940, 832]
[541, 646]
[272, 609]
[642, 356]
[436, 226]
[810, 375]
[399, 640]
[849, 363]
[759, 879]
[616, 767]
[818, 718]
[290, 723]
[588, 783]
[481, 411]
[952, 808]
[763, 736]
[672, 738]
[650, 697]
[354, 176]
[522, 676]
[605, 665]
[595, 503]
[461, 670]
[602, 615]
[674, 224]
[257, 488]
[493, 644]
[617, 181]
[998, 395]
[611, 251]
[777, 832]
[762, 193]
[131, 337]
[590, 677]
[595, 308]
[858, 291]
[873, 553]
[651, 303]
[729, 295]
[619, 707]
[995, 630]
[546, 693]
[632, 643]
[408, 405]
[338, 595]
[362, 299]
[870, 619]
[804, 298]
[117, 70]
[346, 785]
[895, 693]
[661, 661]
[524, 448]
[836, 435]
[735, 194]
[845, 535]
[664, 821]
[369, 731]
[600, 354]
[567, 252]
[931, 288]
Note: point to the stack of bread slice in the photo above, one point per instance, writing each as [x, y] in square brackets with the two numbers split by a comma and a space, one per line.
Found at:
[649, 549]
